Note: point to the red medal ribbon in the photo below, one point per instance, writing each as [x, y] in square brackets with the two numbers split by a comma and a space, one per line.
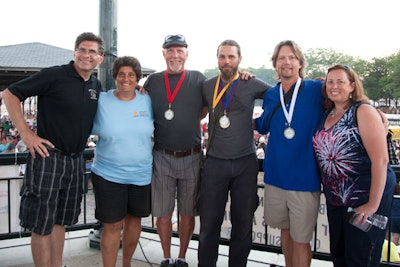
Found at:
[168, 87]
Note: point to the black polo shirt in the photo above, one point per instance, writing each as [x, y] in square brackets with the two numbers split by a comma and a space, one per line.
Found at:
[66, 105]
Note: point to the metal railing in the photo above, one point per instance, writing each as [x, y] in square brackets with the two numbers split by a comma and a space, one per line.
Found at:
[85, 221]
[88, 221]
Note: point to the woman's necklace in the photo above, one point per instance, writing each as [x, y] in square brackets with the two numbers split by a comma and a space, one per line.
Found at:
[334, 113]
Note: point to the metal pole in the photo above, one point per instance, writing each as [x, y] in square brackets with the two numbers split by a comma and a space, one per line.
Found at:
[108, 30]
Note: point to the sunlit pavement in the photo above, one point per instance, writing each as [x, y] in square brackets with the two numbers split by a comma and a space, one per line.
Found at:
[16, 252]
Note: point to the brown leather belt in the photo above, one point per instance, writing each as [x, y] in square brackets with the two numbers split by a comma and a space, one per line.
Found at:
[179, 153]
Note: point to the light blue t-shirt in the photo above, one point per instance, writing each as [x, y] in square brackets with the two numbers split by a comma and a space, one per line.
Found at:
[123, 152]
[3, 147]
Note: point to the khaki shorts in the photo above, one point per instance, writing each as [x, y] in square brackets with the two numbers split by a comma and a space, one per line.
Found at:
[294, 210]
[175, 179]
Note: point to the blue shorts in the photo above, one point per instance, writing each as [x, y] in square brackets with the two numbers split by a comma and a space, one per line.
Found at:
[51, 192]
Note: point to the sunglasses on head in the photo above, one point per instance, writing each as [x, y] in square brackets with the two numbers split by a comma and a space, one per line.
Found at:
[347, 67]
[178, 37]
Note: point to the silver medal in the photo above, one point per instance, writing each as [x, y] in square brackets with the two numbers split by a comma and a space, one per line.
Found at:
[289, 133]
[224, 122]
[169, 114]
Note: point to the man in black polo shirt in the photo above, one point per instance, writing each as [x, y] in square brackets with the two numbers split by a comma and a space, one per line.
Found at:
[52, 189]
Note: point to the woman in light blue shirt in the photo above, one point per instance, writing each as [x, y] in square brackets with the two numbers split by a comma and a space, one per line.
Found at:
[122, 166]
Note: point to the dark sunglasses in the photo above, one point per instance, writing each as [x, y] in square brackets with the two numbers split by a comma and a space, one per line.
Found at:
[340, 66]
[347, 67]
[178, 37]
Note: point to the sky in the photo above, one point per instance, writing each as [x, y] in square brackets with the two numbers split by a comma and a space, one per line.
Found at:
[364, 29]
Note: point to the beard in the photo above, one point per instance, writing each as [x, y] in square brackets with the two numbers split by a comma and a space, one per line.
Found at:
[228, 73]
[175, 68]
[287, 76]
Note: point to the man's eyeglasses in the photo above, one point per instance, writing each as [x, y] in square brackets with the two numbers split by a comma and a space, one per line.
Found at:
[85, 51]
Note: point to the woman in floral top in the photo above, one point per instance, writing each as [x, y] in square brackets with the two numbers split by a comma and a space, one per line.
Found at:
[351, 151]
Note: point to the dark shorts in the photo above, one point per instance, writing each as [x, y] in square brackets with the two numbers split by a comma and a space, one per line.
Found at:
[114, 201]
[51, 192]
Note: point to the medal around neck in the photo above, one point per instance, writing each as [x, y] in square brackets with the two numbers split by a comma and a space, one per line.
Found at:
[169, 114]
[289, 133]
[224, 122]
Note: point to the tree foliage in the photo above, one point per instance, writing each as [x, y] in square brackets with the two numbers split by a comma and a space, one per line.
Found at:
[319, 60]
[211, 72]
[376, 72]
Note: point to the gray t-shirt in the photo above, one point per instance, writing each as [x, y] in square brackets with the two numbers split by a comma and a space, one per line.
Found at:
[183, 131]
[237, 140]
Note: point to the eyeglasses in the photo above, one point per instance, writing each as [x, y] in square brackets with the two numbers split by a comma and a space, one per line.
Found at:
[347, 67]
[341, 66]
[85, 51]
[349, 71]
[178, 37]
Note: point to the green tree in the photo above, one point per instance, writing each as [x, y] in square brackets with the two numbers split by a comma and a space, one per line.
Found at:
[376, 71]
[211, 72]
[266, 75]
[392, 81]
[320, 59]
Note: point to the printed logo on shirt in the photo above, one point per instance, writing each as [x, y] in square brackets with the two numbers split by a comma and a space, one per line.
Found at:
[140, 114]
[93, 94]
